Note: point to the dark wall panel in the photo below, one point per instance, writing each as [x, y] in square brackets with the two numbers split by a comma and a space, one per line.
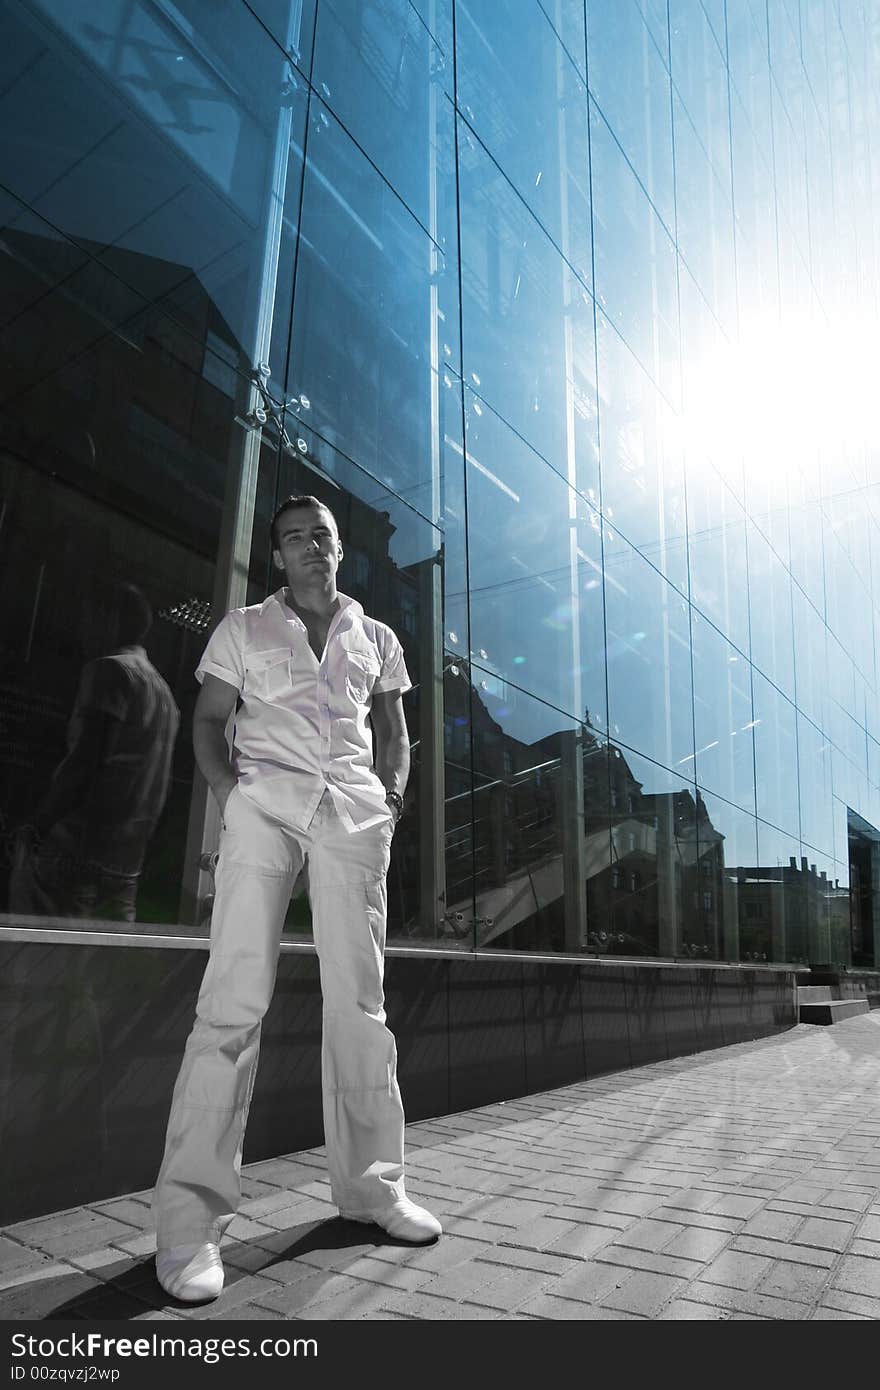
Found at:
[92, 1038]
[486, 1052]
[606, 1028]
[554, 1036]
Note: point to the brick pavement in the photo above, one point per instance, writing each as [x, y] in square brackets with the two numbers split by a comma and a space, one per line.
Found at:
[738, 1183]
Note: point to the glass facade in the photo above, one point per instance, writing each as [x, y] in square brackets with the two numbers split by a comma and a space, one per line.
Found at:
[566, 309]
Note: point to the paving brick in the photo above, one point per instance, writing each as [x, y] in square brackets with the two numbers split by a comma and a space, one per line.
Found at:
[513, 1287]
[127, 1210]
[784, 1250]
[869, 1228]
[72, 1232]
[292, 1298]
[731, 1204]
[506, 1211]
[388, 1275]
[700, 1220]
[834, 1315]
[582, 1242]
[464, 1280]
[240, 1290]
[138, 1245]
[107, 1263]
[754, 1305]
[55, 1289]
[686, 1310]
[830, 1235]
[357, 1301]
[858, 1275]
[643, 1293]
[695, 1243]
[774, 1225]
[537, 1235]
[15, 1258]
[736, 1270]
[869, 1248]
[426, 1306]
[847, 1200]
[846, 1301]
[512, 1257]
[649, 1260]
[593, 1216]
[550, 1306]
[802, 1283]
[444, 1254]
[649, 1235]
[628, 1203]
[589, 1282]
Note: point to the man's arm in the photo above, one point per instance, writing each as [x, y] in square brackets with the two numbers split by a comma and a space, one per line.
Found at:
[392, 740]
[217, 699]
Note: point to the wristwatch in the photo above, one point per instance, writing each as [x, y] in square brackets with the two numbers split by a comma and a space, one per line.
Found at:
[396, 801]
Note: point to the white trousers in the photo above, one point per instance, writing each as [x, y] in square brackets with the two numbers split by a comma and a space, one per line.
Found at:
[199, 1185]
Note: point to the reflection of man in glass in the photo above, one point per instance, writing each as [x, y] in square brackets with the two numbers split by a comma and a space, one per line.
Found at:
[305, 670]
[84, 851]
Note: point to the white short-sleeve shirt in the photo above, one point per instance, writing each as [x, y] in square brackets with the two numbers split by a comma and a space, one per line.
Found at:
[301, 727]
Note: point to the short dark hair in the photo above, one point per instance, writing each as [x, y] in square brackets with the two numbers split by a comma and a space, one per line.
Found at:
[291, 504]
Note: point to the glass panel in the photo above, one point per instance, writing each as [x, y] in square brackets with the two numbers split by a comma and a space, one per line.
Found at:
[635, 261]
[780, 890]
[859, 873]
[723, 719]
[770, 605]
[649, 662]
[115, 470]
[756, 264]
[775, 755]
[629, 79]
[655, 14]
[536, 859]
[140, 300]
[642, 468]
[699, 73]
[810, 655]
[654, 899]
[567, 18]
[814, 779]
[527, 323]
[737, 924]
[365, 262]
[522, 94]
[535, 580]
[290, 22]
[807, 558]
[704, 225]
[717, 553]
[379, 70]
[180, 154]
[436, 15]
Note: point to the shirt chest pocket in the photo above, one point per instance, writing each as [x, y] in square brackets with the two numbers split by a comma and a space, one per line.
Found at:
[267, 674]
[361, 674]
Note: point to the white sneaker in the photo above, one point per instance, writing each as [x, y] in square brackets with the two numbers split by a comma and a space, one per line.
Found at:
[192, 1273]
[402, 1219]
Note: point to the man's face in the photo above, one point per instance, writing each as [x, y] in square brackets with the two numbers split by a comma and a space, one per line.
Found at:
[308, 545]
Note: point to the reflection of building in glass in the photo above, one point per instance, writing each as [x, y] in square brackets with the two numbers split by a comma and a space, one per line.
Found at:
[564, 392]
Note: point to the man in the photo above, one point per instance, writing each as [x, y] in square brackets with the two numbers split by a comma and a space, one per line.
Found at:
[308, 668]
[83, 854]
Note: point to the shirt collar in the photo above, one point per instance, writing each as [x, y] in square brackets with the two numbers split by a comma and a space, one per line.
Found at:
[349, 606]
